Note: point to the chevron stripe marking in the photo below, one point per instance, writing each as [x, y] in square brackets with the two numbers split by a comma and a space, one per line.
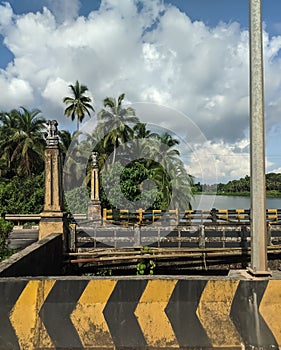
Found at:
[24, 317]
[270, 308]
[88, 317]
[151, 314]
[214, 313]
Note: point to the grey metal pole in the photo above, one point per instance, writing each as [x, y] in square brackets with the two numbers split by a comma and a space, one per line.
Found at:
[258, 264]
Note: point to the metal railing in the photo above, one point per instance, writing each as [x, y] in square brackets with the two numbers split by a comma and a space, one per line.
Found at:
[188, 217]
[173, 217]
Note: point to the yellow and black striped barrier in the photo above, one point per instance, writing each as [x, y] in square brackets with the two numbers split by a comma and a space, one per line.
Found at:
[188, 217]
[140, 314]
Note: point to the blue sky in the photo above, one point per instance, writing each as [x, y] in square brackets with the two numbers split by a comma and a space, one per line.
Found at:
[189, 55]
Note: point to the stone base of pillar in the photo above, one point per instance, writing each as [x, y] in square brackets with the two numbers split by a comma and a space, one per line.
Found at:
[53, 222]
[94, 212]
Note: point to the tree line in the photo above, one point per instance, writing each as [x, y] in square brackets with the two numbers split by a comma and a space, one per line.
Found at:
[157, 177]
[242, 186]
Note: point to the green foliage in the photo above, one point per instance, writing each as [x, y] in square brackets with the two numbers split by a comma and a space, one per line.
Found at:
[22, 195]
[22, 142]
[131, 187]
[104, 272]
[77, 200]
[242, 186]
[145, 266]
[5, 228]
[273, 182]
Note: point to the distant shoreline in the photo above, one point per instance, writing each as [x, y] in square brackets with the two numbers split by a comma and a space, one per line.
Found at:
[269, 194]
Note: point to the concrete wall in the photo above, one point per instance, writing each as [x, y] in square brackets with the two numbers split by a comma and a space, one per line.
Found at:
[140, 313]
[42, 258]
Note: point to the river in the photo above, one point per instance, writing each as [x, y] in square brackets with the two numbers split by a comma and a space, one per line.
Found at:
[207, 202]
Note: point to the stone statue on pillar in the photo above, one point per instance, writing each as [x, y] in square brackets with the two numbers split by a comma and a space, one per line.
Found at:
[52, 138]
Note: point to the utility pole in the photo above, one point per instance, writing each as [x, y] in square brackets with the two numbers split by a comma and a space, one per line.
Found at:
[258, 264]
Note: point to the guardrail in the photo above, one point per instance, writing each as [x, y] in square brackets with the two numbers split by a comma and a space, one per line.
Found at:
[160, 217]
[21, 219]
[188, 217]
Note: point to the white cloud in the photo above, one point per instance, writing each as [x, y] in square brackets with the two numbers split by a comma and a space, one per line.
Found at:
[150, 51]
[64, 10]
[277, 170]
[15, 90]
[219, 161]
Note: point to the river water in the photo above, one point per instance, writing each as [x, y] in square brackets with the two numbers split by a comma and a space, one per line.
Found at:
[207, 202]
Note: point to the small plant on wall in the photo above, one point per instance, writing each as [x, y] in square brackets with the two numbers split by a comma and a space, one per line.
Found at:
[146, 266]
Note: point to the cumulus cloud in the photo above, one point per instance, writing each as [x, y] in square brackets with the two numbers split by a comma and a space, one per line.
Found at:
[64, 10]
[153, 53]
[220, 161]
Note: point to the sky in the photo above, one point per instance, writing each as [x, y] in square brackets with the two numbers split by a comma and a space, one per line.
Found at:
[183, 65]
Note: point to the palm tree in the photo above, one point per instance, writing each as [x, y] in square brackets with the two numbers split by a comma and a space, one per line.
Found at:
[24, 146]
[7, 129]
[114, 120]
[79, 104]
[65, 141]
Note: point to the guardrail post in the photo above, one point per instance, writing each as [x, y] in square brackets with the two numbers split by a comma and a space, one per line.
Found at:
[72, 237]
[201, 232]
[137, 236]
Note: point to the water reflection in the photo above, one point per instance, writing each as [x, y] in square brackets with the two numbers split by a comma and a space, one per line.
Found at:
[207, 202]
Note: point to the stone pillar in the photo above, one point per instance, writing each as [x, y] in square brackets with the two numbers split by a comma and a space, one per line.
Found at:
[94, 206]
[53, 219]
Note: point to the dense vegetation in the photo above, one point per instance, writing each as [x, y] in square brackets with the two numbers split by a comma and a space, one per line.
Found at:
[5, 228]
[138, 168]
[242, 186]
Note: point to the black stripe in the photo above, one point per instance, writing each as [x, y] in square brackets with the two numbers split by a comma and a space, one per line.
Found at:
[120, 317]
[181, 311]
[246, 317]
[56, 311]
[9, 293]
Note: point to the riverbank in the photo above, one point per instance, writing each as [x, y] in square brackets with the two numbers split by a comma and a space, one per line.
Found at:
[269, 194]
[222, 201]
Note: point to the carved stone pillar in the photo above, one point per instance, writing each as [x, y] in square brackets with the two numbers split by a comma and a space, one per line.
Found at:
[94, 206]
[53, 219]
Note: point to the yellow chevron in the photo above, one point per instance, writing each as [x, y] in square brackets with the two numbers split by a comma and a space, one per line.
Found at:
[88, 317]
[151, 314]
[214, 313]
[270, 308]
[24, 317]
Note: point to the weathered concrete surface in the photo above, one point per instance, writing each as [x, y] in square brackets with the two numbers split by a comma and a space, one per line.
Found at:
[21, 238]
[53, 219]
[234, 312]
[42, 258]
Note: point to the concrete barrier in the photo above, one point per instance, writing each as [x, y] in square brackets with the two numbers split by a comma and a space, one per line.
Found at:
[42, 258]
[140, 313]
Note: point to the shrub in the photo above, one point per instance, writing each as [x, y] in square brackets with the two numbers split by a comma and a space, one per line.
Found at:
[5, 228]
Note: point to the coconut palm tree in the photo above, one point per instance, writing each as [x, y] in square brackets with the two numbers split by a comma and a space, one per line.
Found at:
[79, 104]
[24, 142]
[113, 123]
[65, 141]
[7, 128]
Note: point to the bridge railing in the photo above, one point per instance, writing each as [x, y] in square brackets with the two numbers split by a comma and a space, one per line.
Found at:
[160, 217]
[188, 217]
[21, 219]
